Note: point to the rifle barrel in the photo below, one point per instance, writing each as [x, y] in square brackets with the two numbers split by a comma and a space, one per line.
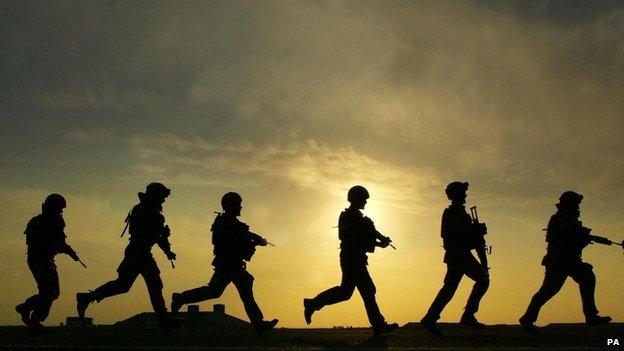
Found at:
[82, 263]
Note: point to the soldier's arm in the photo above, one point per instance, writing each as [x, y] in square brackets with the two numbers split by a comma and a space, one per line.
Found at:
[583, 235]
[163, 241]
[382, 240]
[61, 244]
[257, 239]
[371, 227]
[163, 232]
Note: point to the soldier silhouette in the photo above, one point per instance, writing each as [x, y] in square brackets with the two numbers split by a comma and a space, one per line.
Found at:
[460, 235]
[566, 238]
[146, 227]
[233, 245]
[357, 236]
[45, 238]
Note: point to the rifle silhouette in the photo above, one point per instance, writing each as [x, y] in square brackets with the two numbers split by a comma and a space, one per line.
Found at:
[604, 241]
[600, 240]
[82, 263]
[482, 252]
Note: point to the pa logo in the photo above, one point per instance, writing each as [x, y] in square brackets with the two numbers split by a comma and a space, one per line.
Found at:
[613, 342]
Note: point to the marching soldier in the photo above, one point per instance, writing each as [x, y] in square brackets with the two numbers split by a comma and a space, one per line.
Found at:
[460, 235]
[146, 227]
[358, 236]
[566, 238]
[233, 245]
[45, 238]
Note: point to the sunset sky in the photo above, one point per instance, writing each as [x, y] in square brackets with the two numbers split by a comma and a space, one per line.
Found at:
[290, 104]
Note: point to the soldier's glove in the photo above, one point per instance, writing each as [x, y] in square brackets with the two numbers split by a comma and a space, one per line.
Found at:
[170, 255]
[263, 242]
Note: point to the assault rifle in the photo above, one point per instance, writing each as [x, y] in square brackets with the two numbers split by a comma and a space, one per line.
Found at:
[482, 248]
[604, 241]
[598, 239]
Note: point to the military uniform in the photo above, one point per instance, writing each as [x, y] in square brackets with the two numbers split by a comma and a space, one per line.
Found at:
[233, 245]
[566, 238]
[460, 236]
[45, 238]
[358, 236]
[146, 227]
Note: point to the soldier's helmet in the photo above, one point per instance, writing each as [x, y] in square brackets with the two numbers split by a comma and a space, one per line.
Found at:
[570, 198]
[157, 190]
[53, 203]
[230, 200]
[455, 188]
[357, 193]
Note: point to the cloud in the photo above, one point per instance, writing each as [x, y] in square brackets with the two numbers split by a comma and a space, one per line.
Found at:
[307, 165]
[94, 136]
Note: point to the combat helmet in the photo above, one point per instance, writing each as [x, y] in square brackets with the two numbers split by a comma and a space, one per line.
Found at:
[455, 188]
[570, 198]
[230, 200]
[357, 193]
[156, 189]
[53, 202]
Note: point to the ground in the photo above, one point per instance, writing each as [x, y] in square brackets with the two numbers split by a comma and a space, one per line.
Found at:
[409, 337]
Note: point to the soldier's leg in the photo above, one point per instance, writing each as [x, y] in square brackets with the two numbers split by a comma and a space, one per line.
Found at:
[151, 275]
[474, 270]
[586, 279]
[553, 281]
[127, 271]
[39, 274]
[244, 284]
[452, 278]
[367, 290]
[217, 284]
[48, 285]
[342, 292]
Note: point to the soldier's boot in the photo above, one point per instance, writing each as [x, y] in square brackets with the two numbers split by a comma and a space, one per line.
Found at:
[24, 312]
[384, 328]
[308, 310]
[528, 325]
[430, 324]
[82, 302]
[469, 319]
[597, 320]
[168, 324]
[176, 304]
[264, 326]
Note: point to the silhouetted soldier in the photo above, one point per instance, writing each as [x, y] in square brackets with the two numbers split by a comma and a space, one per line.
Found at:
[45, 238]
[147, 227]
[233, 245]
[357, 236]
[460, 235]
[566, 238]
